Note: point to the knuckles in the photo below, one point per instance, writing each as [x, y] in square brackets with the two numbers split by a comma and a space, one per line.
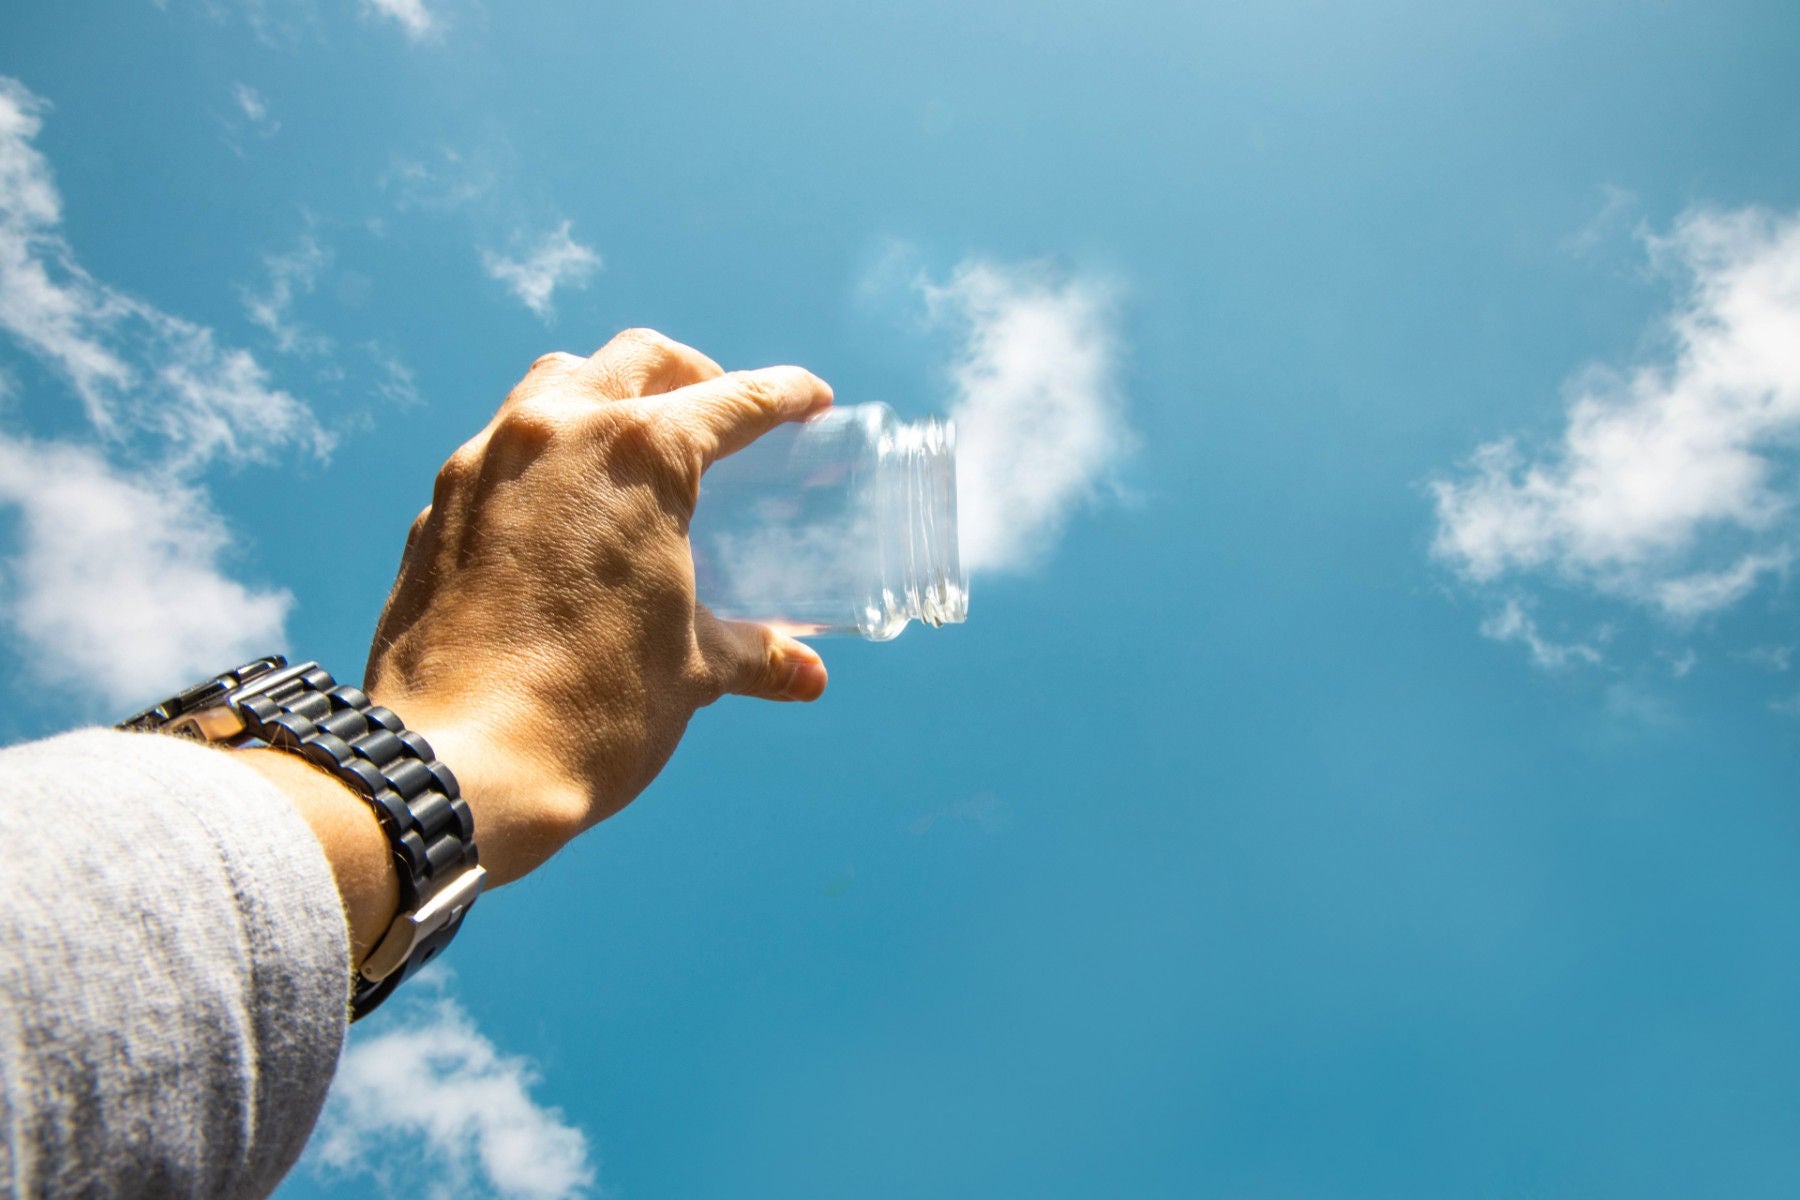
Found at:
[459, 470]
[555, 360]
[642, 361]
[648, 441]
[638, 443]
[525, 428]
[757, 678]
[657, 347]
[755, 388]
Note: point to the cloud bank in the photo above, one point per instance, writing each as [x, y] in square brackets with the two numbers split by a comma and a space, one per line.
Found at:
[1040, 413]
[121, 555]
[558, 260]
[429, 1106]
[1672, 486]
[118, 586]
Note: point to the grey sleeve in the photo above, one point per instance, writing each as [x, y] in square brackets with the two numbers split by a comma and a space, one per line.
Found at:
[174, 971]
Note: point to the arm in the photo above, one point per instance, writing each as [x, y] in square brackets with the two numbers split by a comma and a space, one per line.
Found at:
[172, 995]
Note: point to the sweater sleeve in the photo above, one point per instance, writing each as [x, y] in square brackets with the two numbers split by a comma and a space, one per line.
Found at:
[174, 971]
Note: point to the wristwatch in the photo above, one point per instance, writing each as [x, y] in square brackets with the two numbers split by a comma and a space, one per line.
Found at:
[302, 709]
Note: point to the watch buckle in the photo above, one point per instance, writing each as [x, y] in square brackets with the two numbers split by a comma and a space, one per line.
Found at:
[396, 946]
[207, 710]
[218, 724]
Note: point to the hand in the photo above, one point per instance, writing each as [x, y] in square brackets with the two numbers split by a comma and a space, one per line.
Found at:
[543, 633]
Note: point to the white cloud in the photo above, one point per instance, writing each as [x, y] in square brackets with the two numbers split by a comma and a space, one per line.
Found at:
[272, 307]
[1708, 591]
[1672, 485]
[431, 1103]
[1039, 409]
[557, 260]
[1513, 624]
[412, 15]
[255, 110]
[137, 369]
[250, 102]
[117, 585]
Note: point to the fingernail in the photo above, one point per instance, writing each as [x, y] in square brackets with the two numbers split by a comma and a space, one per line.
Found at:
[806, 680]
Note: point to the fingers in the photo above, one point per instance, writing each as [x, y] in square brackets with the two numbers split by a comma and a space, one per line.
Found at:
[642, 362]
[728, 413]
[753, 660]
[636, 363]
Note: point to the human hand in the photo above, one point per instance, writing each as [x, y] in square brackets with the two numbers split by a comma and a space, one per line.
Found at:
[543, 633]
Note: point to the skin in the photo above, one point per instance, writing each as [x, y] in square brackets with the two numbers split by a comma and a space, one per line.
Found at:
[543, 633]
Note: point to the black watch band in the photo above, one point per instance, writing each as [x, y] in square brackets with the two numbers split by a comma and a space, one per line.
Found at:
[301, 709]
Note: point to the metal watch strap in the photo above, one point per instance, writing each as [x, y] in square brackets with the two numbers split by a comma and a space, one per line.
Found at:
[416, 798]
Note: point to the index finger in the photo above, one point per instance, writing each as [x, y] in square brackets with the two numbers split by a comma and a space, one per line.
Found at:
[643, 362]
[728, 413]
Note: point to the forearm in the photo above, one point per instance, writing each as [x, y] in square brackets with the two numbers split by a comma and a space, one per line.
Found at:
[172, 986]
[348, 832]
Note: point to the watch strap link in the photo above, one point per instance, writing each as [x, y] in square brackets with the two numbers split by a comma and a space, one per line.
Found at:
[415, 797]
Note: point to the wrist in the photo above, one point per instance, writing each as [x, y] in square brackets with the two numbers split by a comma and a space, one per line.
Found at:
[525, 813]
[429, 830]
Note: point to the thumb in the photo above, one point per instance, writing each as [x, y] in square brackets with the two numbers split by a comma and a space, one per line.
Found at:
[749, 659]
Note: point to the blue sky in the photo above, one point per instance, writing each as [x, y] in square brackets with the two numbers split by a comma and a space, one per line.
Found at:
[1369, 766]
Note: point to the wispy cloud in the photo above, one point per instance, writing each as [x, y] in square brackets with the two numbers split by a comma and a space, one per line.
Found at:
[1513, 624]
[286, 22]
[1672, 484]
[255, 110]
[394, 380]
[427, 1105]
[556, 260]
[1039, 406]
[442, 182]
[271, 307]
[1703, 592]
[274, 22]
[1636, 703]
[1616, 218]
[1775, 659]
[411, 15]
[984, 811]
[118, 584]
[1681, 663]
[136, 369]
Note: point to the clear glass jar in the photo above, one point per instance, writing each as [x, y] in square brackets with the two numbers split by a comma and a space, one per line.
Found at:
[844, 524]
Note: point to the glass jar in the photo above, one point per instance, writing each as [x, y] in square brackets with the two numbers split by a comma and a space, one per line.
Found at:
[845, 524]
